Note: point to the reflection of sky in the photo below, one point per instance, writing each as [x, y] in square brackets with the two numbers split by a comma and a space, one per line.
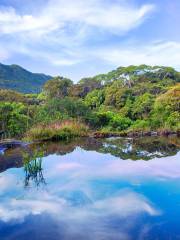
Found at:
[108, 197]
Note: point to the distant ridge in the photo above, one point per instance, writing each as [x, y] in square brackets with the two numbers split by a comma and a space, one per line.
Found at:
[17, 78]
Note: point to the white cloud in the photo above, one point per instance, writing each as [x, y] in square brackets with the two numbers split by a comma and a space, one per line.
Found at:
[119, 19]
[11, 22]
[4, 54]
[62, 34]
[162, 53]
[60, 31]
[62, 15]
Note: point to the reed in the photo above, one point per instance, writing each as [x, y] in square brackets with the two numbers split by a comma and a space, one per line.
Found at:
[63, 130]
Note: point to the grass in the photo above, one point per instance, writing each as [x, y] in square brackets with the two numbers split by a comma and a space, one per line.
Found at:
[33, 167]
[64, 130]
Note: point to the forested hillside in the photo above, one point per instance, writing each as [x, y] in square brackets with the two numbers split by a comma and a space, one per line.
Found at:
[127, 100]
[17, 78]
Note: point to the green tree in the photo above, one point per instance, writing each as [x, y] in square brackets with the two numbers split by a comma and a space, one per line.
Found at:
[58, 87]
[13, 118]
[167, 107]
[142, 106]
[120, 123]
[94, 99]
[116, 94]
[11, 96]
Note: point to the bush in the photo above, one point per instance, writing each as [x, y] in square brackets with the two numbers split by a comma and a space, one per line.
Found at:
[112, 120]
[13, 118]
[104, 118]
[94, 99]
[165, 113]
[61, 109]
[45, 114]
[142, 106]
[173, 121]
[120, 123]
[140, 125]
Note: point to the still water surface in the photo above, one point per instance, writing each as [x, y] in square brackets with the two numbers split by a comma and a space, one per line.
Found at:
[111, 189]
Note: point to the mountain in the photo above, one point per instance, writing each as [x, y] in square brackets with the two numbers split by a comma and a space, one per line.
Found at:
[17, 78]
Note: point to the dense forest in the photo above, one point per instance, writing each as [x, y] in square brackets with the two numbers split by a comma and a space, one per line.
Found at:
[134, 99]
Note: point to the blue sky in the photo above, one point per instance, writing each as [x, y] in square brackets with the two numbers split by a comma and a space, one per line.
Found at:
[78, 38]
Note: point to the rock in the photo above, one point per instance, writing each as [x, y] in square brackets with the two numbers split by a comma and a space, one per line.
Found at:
[11, 144]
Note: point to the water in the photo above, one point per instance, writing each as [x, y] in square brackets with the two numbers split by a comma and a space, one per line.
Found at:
[111, 189]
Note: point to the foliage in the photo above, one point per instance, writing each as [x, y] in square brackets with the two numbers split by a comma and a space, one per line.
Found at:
[13, 118]
[57, 87]
[142, 106]
[104, 118]
[116, 95]
[95, 99]
[120, 123]
[46, 114]
[134, 98]
[84, 86]
[33, 167]
[59, 109]
[114, 120]
[173, 121]
[11, 96]
[166, 112]
[140, 125]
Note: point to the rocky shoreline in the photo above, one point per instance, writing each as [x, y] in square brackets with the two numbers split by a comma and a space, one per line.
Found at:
[135, 134]
[12, 143]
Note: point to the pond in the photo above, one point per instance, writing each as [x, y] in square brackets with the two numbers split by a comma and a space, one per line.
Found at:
[91, 189]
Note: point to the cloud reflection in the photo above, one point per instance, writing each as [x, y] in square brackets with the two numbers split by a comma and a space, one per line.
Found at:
[84, 193]
[127, 203]
[83, 165]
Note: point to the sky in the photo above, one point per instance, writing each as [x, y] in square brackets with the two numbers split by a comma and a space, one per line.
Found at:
[81, 38]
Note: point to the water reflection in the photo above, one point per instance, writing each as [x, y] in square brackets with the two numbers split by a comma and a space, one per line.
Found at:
[145, 148]
[91, 191]
[32, 163]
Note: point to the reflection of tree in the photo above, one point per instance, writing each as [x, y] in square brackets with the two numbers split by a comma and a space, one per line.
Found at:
[137, 148]
[126, 148]
[65, 147]
[33, 168]
[141, 148]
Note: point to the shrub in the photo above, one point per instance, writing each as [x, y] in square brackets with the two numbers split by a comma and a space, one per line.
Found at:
[120, 123]
[13, 118]
[165, 113]
[94, 99]
[173, 121]
[140, 125]
[142, 106]
[104, 118]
